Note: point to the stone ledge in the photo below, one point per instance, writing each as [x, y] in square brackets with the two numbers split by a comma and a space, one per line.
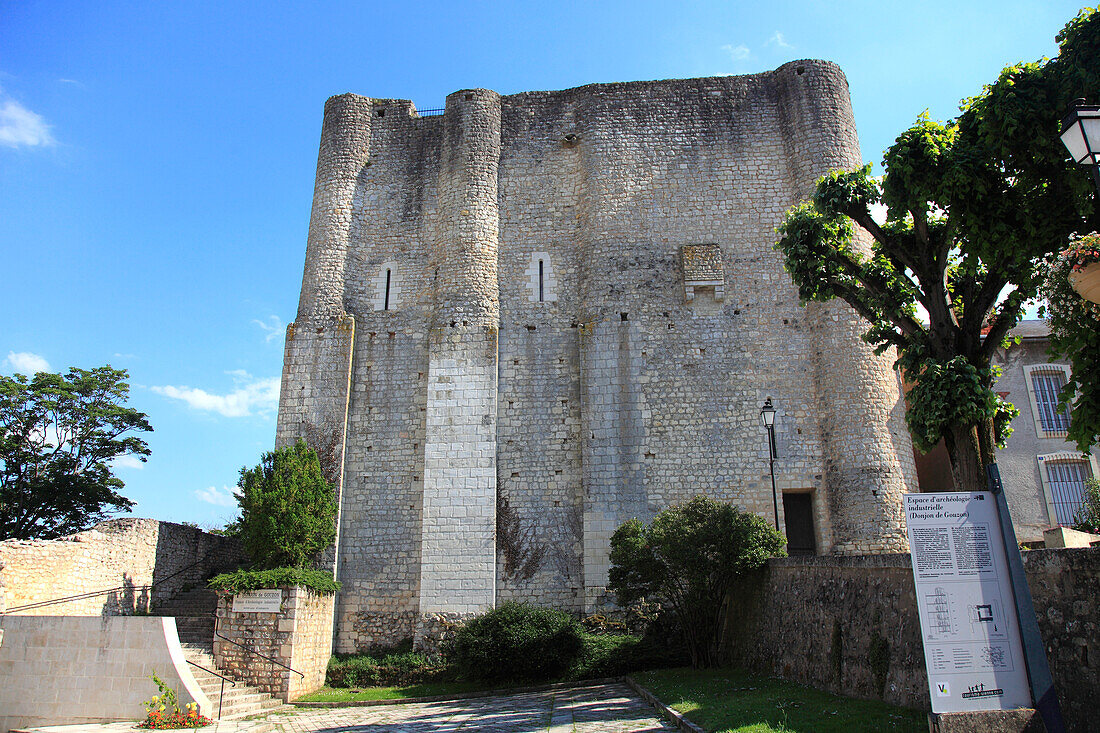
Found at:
[1024, 720]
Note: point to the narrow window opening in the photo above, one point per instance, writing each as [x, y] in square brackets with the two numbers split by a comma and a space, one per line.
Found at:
[623, 317]
[542, 292]
[386, 304]
[381, 113]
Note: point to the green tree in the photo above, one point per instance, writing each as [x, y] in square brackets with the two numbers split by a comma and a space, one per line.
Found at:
[691, 556]
[288, 508]
[58, 437]
[975, 205]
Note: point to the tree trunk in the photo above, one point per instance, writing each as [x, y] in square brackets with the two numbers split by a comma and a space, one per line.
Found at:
[971, 449]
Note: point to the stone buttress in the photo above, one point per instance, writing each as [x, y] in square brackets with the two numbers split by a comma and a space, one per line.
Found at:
[868, 459]
[313, 399]
[458, 546]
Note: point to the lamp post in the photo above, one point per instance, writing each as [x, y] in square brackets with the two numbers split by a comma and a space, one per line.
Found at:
[1081, 136]
[767, 417]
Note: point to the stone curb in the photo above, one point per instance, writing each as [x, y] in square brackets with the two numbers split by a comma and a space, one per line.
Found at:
[671, 715]
[461, 696]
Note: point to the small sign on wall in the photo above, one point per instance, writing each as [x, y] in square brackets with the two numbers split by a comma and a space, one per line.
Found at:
[268, 600]
[972, 648]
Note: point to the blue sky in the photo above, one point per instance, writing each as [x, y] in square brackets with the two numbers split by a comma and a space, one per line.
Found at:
[157, 161]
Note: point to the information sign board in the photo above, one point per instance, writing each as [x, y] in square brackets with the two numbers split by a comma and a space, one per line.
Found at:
[267, 600]
[972, 647]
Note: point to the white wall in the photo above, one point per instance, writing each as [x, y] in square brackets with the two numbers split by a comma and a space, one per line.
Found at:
[57, 670]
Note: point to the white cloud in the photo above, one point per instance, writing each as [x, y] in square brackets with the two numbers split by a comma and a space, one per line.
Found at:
[777, 39]
[27, 363]
[737, 53]
[127, 462]
[20, 127]
[273, 328]
[257, 395]
[225, 496]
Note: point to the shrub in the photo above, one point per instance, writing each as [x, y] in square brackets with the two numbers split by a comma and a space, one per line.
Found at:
[240, 581]
[288, 508]
[382, 669]
[1087, 518]
[516, 641]
[690, 556]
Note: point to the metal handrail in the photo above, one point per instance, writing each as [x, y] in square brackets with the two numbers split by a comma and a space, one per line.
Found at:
[94, 593]
[430, 112]
[219, 635]
[221, 692]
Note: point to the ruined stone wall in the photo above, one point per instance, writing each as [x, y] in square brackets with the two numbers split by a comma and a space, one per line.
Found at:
[850, 625]
[527, 371]
[120, 553]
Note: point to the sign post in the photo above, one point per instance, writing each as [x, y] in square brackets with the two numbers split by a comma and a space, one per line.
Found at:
[972, 646]
[267, 600]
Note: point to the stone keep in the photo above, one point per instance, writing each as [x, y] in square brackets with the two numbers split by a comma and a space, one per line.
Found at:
[533, 317]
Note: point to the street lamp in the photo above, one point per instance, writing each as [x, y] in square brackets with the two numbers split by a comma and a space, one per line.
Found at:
[767, 417]
[1081, 136]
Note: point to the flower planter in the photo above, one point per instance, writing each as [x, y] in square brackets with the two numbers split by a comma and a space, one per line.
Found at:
[1086, 282]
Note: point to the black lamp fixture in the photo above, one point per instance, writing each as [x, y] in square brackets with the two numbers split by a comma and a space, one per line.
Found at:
[1081, 136]
[767, 418]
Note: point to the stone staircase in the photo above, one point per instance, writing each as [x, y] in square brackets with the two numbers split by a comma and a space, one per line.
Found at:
[194, 614]
[240, 700]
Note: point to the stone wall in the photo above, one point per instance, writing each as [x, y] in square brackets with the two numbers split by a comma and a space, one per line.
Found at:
[299, 636]
[850, 625]
[126, 554]
[64, 670]
[563, 410]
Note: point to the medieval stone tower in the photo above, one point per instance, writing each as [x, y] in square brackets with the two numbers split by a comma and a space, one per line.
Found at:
[533, 317]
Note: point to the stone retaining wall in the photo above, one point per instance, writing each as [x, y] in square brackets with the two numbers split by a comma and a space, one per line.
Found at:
[850, 625]
[299, 636]
[120, 553]
[63, 670]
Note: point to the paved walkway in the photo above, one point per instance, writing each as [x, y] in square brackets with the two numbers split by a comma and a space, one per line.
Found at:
[610, 708]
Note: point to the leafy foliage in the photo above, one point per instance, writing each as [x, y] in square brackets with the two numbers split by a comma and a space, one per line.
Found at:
[394, 667]
[974, 206]
[163, 711]
[58, 436]
[516, 641]
[691, 556]
[288, 508]
[1087, 518]
[240, 581]
[1075, 335]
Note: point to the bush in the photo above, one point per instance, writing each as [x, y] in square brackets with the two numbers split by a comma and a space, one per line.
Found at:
[689, 557]
[240, 581]
[385, 668]
[1087, 518]
[516, 641]
[288, 508]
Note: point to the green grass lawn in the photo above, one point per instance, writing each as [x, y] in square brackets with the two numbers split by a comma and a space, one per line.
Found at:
[424, 689]
[722, 700]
